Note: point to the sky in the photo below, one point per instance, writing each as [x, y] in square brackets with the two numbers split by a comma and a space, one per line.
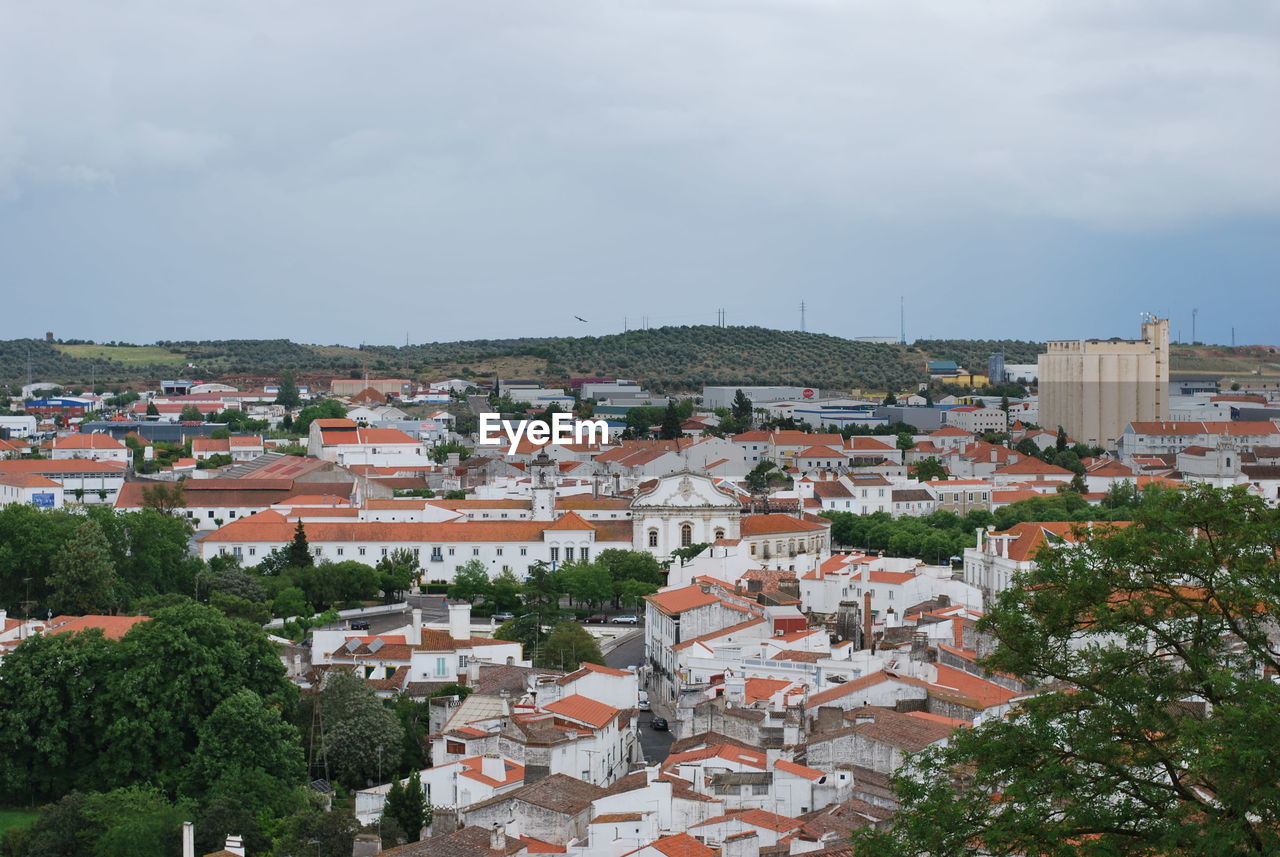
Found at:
[338, 172]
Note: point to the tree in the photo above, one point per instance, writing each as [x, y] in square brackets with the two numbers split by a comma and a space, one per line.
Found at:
[690, 551]
[299, 552]
[906, 441]
[83, 577]
[587, 582]
[633, 592]
[152, 410]
[890, 399]
[396, 572]
[930, 469]
[362, 738]
[288, 395]
[408, 806]
[164, 497]
[1150, 652]
[670, 423]
[505, 593]
[290, 602]
[470, 581]
[190, 414]
[1060, 442]
[742, 409]
[568, 645]
[246, 750]
[329, 409]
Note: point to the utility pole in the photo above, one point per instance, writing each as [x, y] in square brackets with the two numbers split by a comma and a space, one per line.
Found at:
[802, 309]
[902, 320]
[1233, 336]
[1194, 313]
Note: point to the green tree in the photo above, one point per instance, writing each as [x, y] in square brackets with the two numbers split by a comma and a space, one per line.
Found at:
[220, 434]
[930, 469]
[587, 582]
[906, 441]
[83, 577]
[1150, 650]
[248, 751]
[741, 408]
[408, 806]
[633, 592]
[152, 410]
[568, 645]
[505, 593]
[890, 399]
[362, 738]
[690, 551]
[670, 423]
[288, 395]
[299, 552]
[396, 573]
[470, 581]
[1060, 442]
[329, 409]
[290, 602]
[190, 414]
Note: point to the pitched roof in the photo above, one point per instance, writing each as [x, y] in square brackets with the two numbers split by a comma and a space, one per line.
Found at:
[583, 709]
[675, 601]
[112, 627]
[756, 818]
[765, 525]
[677, 845]
[1235, 428]
[557, 793]
[1031, 466]
[94, 440]
[571, 521]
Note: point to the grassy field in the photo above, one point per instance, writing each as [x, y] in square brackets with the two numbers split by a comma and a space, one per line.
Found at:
[12, 819]
[129, 355]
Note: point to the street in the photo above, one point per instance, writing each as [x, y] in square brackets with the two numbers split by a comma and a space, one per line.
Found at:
[630, 652]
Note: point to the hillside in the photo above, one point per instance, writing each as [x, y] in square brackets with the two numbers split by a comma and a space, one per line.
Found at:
[667, 359]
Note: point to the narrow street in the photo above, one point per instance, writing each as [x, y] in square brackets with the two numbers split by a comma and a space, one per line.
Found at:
[630, 652]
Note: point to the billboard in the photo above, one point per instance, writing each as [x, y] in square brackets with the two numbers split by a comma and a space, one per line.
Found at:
[42, 500]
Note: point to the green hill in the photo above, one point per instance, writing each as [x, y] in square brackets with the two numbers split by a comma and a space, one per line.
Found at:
[667, 359]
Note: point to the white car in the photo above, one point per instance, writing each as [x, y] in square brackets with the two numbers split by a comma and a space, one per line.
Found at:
[625, 620]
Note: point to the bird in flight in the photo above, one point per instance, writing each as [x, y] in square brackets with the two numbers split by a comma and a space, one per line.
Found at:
[581, 319]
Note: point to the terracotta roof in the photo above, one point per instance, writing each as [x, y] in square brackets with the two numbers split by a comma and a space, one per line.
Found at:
[583, 709]
[677, 845]
[1033, 466]
[674, 601]
[1234, 428]
[473, 769]
[761, 818]
[28, 480]
[557, 793]
[765, 525]
[587, 669]
[571, 521]
[762, 689]
[821, 698]
[270, 526]
[94, 440]
[615, 817]
[112, 627]
[743, 755]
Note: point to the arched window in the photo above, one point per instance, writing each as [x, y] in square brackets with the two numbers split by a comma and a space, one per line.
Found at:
[653, 538]
[719, 533]
[686, 535]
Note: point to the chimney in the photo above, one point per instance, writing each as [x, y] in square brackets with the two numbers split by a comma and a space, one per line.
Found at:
[866, 620]
[957, 632]
[414, 636]
[745, 844]
[497, 837]
[493, 767]
[235, 844]
[460, 621]
[188, 839]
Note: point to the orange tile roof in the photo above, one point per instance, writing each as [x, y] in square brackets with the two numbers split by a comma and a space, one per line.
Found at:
[28, 480]
[583, 709]
[799, 770]
[674, 601]
[678, 845]
[762, 689]
[572, 522]
[1033, 466]
[94, 440]
[761, 818]
[986, 692]
[112, 627]
[767, 525]
[742, 755]
[270, 526]
[1236, 428]
[473, 769]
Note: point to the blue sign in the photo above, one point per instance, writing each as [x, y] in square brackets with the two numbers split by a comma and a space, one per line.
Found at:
[42, 501]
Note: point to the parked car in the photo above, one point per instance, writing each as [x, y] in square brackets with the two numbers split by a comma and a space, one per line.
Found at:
[597, 619]
[643, 702]
[360, 625]
[625, 620]
[659, 723]
[503, 617]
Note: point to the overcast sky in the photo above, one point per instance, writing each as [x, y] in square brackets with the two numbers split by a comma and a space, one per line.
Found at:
[341, 172]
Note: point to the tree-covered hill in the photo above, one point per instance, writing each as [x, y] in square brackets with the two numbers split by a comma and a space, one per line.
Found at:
[667, 359]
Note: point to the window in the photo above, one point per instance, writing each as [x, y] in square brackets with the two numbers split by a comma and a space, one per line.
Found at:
[555, 554]
[440, 666]
[498, 551]
[475, 551]
[450, 551]
[340, 551]
[719, 533]
[568, 554]
[653, 538]
[210, 513]
[455, 747]
[524, 551]
[361, 549]
[582, 552]
[315, 551]
[236, 550]
[485, 515]
[254, 551]
[233, 511]
[686, 535]
[384, 551]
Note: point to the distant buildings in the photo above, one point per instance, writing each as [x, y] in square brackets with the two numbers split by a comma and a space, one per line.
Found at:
[1094, 388]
